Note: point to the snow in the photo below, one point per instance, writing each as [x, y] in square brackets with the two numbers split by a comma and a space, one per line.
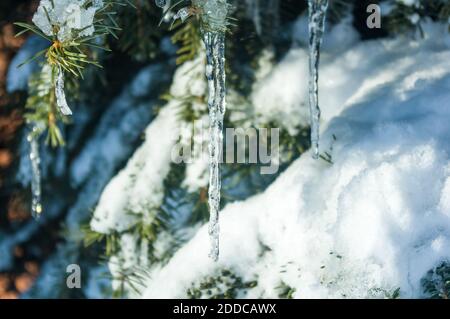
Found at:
[111, 142]
[73, 18]
[287, 105]
[284, 106]
[136, 193]
[196, 175]
[142, 179]
[120, 128]
[374, 220]
[139, 186]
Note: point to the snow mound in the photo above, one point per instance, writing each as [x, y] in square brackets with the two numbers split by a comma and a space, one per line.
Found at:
[138, 189]
[375, 219]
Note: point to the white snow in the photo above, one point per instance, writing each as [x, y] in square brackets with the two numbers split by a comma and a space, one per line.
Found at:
[281, 96]
[197, 168]
[142, 179]
[71, 18]
[375, 220]
[136, 192]
[119, 128]
[139, 187]
[285, 106]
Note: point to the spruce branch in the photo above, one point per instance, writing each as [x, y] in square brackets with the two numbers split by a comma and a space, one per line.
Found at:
[68, 53]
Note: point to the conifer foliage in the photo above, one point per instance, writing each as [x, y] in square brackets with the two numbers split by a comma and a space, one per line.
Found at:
[116, 79]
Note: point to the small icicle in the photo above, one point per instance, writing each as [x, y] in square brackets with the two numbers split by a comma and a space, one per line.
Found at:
[215, 74]
[265, 16]
[253, 8]
[60, 95]
[317, 16]
[36, 206]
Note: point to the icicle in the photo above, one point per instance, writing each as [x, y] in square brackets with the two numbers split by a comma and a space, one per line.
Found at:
[60, 95]
[265, 16]
[214, 25]
[215, 74]
[36, 206]
[253, 10]
[317, 15]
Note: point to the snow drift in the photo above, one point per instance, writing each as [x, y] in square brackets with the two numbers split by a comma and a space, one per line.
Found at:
[374, 216]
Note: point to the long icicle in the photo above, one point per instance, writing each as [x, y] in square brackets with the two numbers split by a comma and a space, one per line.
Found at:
[317, 16]
[215, 74]
[36, 205]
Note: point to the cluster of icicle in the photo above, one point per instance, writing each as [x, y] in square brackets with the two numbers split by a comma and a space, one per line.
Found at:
[72, 19]
[214, 18]
[213, 15]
